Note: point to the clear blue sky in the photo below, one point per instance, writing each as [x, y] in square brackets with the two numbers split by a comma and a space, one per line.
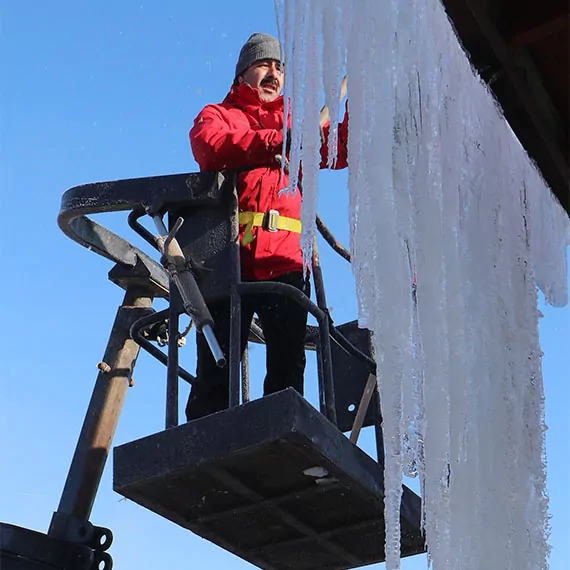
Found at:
[95, 91]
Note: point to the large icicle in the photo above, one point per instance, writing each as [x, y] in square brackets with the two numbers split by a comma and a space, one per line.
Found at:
[452, 231]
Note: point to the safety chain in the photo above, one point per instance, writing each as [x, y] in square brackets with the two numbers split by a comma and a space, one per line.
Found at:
[163, 340]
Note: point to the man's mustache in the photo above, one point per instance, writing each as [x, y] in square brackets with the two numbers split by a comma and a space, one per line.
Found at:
[269, 80]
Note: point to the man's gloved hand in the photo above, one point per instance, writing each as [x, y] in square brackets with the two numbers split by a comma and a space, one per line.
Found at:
[279, 158]
[288, 140]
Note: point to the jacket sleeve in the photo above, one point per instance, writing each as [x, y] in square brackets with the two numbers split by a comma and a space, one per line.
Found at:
[217, 146]
[342, 154]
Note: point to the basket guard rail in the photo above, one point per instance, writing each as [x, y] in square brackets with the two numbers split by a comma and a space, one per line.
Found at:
[155, 193]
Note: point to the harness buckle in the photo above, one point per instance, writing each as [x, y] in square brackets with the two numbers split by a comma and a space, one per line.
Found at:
[271, 219]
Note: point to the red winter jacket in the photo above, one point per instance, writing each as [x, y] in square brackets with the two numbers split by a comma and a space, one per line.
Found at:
[243, 132]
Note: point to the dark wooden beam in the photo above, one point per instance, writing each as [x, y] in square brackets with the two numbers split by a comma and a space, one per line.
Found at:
[488, 48]
[525, 36]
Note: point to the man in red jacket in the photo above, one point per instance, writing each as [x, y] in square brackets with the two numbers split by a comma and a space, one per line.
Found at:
[245, 133]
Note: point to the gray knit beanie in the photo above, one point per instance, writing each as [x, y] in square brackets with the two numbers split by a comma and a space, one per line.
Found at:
[258, 46]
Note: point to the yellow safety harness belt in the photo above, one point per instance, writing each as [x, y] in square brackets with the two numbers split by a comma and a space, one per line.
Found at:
[271, 221]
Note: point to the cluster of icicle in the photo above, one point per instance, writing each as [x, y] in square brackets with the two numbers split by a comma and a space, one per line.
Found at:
[452, 230]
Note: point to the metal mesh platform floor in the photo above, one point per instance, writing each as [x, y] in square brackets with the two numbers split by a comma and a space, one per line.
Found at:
[272, 481]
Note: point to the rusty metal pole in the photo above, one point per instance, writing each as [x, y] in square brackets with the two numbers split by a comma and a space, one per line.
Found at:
[324, 356]
[70, 521]
[172, 369]
[245, 375]
[235, 346]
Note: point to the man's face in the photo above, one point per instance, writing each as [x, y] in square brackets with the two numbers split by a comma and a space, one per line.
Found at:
[266, 75]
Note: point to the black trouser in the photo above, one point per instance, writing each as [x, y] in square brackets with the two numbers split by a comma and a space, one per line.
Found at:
[283, 322]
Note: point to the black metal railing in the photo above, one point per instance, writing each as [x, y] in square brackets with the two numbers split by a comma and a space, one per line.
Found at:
[159, 194]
